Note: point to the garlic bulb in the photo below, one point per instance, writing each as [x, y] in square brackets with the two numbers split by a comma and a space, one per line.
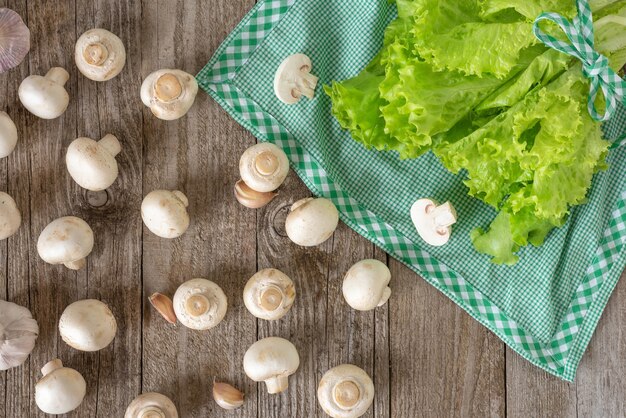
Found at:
[14, 39]
[18, 332]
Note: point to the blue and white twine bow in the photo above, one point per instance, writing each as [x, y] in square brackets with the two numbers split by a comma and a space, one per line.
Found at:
[595, 65]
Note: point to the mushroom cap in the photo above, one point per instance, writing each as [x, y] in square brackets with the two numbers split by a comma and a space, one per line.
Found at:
[10, 217]
[165, 213]
[18, 333]
[65, 240]
[345, 391]
[60, 391]
[424, 222]
[200, 304]
[91, 165]
[87, 325]
[365, 285]
[159, 405]
[269, 294]
[8, 135]
[44, 97]
[264, 167]
[169, 93]
[271, 360]
[99, 54]
[290, 71]
[14, 39]
[311, 221]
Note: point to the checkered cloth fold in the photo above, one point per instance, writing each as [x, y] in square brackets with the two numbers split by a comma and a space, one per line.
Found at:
[546, 307]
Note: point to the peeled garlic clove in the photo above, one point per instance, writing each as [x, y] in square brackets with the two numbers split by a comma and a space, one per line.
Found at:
[251, 198]
[164, 306]
[227, 396]
[14, 39]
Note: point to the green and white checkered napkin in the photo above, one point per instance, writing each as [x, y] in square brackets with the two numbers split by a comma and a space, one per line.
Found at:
[545, 307]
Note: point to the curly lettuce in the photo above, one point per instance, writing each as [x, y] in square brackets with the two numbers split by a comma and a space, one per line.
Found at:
[468, 81]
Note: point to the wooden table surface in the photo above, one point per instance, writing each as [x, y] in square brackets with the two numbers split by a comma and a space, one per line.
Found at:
[426, 356]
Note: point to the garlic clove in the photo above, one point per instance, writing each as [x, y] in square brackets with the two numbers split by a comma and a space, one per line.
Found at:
[251, 198]
[164, 306]
[227, 396]
[14, 39]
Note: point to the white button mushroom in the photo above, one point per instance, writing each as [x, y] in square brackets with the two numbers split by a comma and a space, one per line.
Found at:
[169, 93]
[61, 389]
[165, 213]
[10, 217]
[92, 164]
[87, 325]
[293, 79]
[67, 240]
[200, 304]
[151, 405]
[8, 135]
[269, 294]
[45, 96]
[18, 333]
[99, 54]
[271, 360]
[311, 221]
[263, 167]
[365, 285]
[345, 391]
[14, 39]
[433, 222]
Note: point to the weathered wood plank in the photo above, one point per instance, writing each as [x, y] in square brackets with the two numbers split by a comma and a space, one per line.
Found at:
[306, 324]
[443, 362]
[533, 392]
[114, 268]
[197, 154]
[324, 329]
[601, 376]
[15, 386]
[52, 26]
[382, 348]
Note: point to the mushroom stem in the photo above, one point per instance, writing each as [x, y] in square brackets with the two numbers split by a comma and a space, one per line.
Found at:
[266, 163]
[346, 394]
[58, 75]
[443, 216]
[306, 85]
[76, 265]
[385, 296]
[51, 366]
[151, 412]
[271, 298]
[110, 143]
[167, 88]
[95, 53]
[277, 384]
[197, 305]
[181, 196]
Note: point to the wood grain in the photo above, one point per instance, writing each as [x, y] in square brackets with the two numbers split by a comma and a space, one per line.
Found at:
[443, 362]
[199, 155]
[602, 373]
[533, 392]
[426, 356]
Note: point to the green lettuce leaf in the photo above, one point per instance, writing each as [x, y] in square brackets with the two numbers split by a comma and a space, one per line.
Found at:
[468, 81]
